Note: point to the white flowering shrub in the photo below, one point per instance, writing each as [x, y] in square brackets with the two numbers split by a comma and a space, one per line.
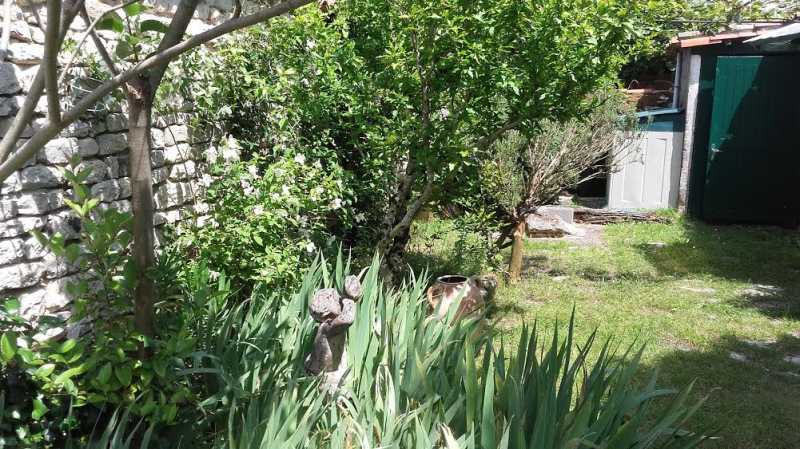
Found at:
[269, 218]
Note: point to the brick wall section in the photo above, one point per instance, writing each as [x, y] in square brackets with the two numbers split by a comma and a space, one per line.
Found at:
[33, 197]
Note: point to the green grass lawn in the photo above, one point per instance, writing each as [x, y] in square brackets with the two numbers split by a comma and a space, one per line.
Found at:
[716, 305]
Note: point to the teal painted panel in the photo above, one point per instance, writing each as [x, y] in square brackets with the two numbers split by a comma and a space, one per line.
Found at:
[753, 155]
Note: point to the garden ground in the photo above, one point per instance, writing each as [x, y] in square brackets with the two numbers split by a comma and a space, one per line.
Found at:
[716, 305]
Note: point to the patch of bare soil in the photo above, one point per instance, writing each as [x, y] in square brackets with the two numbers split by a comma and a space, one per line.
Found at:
[592, 235]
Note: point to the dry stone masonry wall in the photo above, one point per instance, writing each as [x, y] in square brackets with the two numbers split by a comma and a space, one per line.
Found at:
[33, 197]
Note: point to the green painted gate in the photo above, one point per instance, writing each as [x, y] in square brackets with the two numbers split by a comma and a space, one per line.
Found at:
[753, 160]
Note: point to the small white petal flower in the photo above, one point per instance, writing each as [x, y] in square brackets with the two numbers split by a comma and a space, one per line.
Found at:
[253, 170]
[285, 189]
[310, 247]
[336, 203]
[258, 210]
[300, 159]
[206, 180]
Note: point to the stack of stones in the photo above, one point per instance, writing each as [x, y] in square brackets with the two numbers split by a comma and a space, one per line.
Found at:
[33, 197]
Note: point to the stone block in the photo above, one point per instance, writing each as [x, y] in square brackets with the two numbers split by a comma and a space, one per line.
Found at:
[122, 206]
[20, 225]
[88, 147]
[98, 170]
[106, 191]
[157, 136]
[9, 106]
[11, 251]
[8, 209]
[565, 213]
[39, 202]
[64, 223]
[176, 134]
[9, 83]
[178, 153]
[56, 267]
[40, 176]
[11, 184]
[77, 129]
[112, 143]
[23, 53]
[59, 150]
[157, 158]
[173, 194]
[169, 216]
[124, 188]
[20, 275]
[183, 171]
[160, 175]
[116, 122]
[32, 249]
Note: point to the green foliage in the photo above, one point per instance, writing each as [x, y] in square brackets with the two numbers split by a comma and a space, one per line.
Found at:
[405, 97]
[268, 219]
[100, 366]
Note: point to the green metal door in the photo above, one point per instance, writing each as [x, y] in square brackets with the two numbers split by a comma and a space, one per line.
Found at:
[753, 159]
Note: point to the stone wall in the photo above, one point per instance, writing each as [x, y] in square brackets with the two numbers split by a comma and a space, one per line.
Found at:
[33, 197]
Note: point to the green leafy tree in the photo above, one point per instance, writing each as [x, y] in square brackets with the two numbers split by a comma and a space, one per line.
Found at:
[409, 95]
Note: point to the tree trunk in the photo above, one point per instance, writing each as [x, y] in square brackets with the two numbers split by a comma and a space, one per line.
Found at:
[517, 248]
[140, 106]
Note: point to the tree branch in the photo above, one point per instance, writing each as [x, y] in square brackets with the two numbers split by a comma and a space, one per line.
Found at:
[51, 130]
[26, 112]
[50, 60]
[90, 26]
[177, 28]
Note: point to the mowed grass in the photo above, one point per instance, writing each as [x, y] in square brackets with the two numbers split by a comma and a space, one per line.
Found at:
[719, 306]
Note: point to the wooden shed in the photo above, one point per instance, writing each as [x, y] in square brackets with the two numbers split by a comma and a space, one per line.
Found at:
[728, 150]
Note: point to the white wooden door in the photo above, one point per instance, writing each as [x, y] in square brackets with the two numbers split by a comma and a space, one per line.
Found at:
[648, 178]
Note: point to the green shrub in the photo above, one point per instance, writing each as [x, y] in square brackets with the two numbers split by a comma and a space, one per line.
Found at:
[268, 218]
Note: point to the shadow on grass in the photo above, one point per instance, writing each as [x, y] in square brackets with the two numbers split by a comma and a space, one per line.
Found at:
[766, 257]
[753, 392]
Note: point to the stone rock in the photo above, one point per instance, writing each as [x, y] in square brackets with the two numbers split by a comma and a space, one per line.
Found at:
[88, 147]
[40, 176]
[64, 223]
[25, 53]
[77, 129]
[9, 83]
[106, 191]
[157, 158]
[762, 291]
[56, 267]
[112, 143]
[183, 171]
[122, 206]
[170, 216]
[19, 31]
[20, 225]
[12, 184]
[33, 249]
[738, 357]
[178, 153]
[98, 170]
[170, 195]
[125, 188]
[8, 209]
[8, 106]
[39, 202]
[793, 359]
[59, 150]
[176, 134]
[565, 213]
[549, 226]
[20, 275]
[157, 136]
[116, 122]
[11, 251]
[160, 175]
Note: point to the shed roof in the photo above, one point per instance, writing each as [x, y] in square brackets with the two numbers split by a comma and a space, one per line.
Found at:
[740, 32]
[783, 34]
